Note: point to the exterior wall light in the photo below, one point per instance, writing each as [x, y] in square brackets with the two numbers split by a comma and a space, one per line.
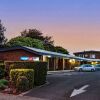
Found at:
[72, 61]
[93, 63]
[49, 56]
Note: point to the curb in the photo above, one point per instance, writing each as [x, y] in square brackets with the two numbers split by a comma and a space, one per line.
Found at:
[59, 72]
[22, 94]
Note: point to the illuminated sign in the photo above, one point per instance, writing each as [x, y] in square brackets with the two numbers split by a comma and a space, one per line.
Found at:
[36, 58]
[29, 58]
[24, 58]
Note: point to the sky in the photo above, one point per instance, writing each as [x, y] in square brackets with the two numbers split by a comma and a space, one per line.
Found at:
[73, 24]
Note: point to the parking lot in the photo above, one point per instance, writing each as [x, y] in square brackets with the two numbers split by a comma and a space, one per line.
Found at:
[64, 86]
[61, 86]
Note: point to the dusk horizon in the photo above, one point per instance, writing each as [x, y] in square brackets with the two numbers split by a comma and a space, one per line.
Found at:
[73, 25]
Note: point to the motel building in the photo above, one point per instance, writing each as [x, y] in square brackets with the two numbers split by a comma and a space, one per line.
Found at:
[56, 61]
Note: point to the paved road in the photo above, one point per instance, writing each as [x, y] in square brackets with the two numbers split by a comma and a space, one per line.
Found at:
[62, 85]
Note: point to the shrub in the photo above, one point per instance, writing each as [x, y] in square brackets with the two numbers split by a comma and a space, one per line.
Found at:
[2, 87]
[22, 83]
[2, 66]
[2, 73]
[40, 69]
[3, 84]
[28, 73]
[3, 81]
[1, 62]
[40, 73]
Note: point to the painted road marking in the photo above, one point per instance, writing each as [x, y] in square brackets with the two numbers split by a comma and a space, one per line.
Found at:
[79, 91]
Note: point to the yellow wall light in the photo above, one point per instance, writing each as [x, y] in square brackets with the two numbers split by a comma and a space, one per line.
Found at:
[72, 61]
[93, 63]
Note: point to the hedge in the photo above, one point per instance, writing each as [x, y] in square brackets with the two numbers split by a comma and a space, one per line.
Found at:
[22, 84]
[15, 74]
[2, 66]
[40, 69]
[1, 61]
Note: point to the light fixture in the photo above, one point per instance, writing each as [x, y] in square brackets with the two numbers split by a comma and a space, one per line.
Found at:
[49, 56]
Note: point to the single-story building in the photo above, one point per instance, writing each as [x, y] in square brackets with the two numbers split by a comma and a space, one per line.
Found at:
[56, 61]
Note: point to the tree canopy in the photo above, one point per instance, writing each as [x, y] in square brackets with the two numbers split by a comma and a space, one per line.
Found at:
[60, 49]
[34, 38]
[2, 37]
[25, 41]
[36, 34]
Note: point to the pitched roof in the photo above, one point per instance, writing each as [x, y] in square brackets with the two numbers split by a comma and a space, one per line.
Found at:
[48, 53]
[36, 51]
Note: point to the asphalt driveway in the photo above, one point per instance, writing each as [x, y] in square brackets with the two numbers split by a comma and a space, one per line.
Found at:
[62, 85]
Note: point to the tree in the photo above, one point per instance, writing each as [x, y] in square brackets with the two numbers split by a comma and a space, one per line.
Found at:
[2, 37]
[25, 41]
[36, 34]
[49, 47]
[60, 49]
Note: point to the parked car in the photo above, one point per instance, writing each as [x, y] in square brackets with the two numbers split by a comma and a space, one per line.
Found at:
[85, 67]
[97, 67]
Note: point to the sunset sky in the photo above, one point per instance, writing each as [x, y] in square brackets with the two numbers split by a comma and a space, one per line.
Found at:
[74, 24]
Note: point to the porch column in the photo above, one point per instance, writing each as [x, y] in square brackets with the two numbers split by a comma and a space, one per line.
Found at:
[46, 59]
[63, 63]
[48, 63]
[57, 63]
[54, 63]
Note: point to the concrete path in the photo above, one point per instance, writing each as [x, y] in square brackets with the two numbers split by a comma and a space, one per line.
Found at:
[59, 71]
[13, 97]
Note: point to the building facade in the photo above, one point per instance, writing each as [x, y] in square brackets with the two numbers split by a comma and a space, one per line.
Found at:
[88, 54]
[56, 61]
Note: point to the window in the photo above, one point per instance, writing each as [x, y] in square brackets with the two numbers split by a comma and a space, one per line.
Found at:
[92, 55]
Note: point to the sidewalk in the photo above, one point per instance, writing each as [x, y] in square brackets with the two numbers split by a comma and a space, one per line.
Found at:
[16, 97]
[59, 72]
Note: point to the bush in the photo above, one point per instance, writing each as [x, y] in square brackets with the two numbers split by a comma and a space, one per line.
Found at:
[1, 62]
[40, 73]
[22, 83]
[2, 73]
[2, 66]
[3, 84]
[40, 69]
[3, 81]
[28, 73]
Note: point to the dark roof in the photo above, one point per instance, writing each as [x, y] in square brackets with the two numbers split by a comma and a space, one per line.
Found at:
[90, 51]
[44, 52]
[36, 51]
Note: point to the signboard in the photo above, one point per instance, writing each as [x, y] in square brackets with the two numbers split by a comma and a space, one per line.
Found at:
[29, 58]
[24, 58]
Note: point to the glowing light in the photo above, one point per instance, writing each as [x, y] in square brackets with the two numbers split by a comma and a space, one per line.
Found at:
[49, 56]
[94, 63]
[72, 61]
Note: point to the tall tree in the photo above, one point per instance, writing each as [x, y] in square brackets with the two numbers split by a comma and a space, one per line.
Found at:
[36, 34]
[60, 49]
[2, 37]
[25, 41]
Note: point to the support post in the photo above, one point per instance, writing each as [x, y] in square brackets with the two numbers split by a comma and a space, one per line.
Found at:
[63, 63]
[54, 63]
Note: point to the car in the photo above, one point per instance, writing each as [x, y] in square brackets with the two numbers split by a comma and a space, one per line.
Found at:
[85, 67]
[97, 67]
